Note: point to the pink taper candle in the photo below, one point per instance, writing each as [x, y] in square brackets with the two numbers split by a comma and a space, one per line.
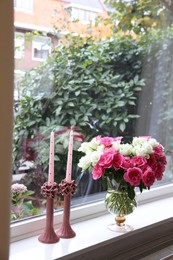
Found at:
[51, 160]
[69, 159]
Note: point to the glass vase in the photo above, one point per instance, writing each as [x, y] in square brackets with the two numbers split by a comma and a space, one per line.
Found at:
[120, 205]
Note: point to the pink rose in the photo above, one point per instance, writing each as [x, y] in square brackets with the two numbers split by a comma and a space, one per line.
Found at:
[161, 159]
[158, 149]
[106, 159]
[133, 176]
[97, 172]
[159, 171]
[138, 161]
[126, 164]
[98, 137]
[152, 162]
[106, 141]
[117, 160]
[118, 138]
[145, 168]
[148, 177]
[147, 137]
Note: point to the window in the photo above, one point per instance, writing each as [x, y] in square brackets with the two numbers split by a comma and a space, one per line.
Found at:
[24, 5]
[6, 125]
[41, 47]
[103, 87]
[18, 75]
[85, 16]
[19, 45]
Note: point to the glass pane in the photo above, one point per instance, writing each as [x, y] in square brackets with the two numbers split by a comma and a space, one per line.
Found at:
[23, 4]
[19, 45]
[112, 78]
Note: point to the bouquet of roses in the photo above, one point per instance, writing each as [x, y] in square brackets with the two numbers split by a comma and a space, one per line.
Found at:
[136, 164]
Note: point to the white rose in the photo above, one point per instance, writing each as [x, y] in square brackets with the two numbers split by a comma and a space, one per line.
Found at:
[116, 145]
[94, 144]
[143, 150]
[84, 147]
[138, 150]
[138, 141]
[84, 162]
[148, 148]
[153, 142]
[100, 148]
[125, 149]
[94, 157]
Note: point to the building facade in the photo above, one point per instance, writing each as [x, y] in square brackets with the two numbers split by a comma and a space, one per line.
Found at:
[39, 26]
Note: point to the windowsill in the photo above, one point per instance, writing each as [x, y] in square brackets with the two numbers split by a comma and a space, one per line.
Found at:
[153, 229]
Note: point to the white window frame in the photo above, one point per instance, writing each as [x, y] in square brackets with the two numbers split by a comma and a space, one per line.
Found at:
[19, 43]
[19, 5]
[33, 226]
[39, 42]
[85, 16]
[18, 75]
[153, 228]
[6, 119]
[6, 79]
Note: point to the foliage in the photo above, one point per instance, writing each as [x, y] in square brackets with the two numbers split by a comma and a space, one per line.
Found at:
[21, 202]
[34, 180]
[28, 117]
[91, 85]
[96, 85]
[140, 16]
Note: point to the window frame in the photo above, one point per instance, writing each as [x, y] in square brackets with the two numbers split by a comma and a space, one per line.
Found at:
[151, 234]
[83, 15]
[36, 42]
[19, 54]
[33, 226]
[74, 6]
[6, 119]
[36, 224]
[23, 9]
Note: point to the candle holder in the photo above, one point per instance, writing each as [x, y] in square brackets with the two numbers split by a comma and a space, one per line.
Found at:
[67, 189]
[49, 191]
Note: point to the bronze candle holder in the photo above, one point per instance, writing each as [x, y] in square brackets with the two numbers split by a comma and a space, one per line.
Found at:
[49, 191]
[67, 189]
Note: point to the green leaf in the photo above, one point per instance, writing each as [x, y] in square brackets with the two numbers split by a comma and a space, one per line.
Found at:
[77, 93]
[131, 193]
[122, 126]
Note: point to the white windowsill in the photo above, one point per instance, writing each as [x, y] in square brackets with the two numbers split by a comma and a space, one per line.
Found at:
[153, 229]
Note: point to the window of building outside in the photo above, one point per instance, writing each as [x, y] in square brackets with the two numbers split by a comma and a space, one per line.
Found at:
[41, 47]
[18, 74]
[100, 92]
[25, 5]
[83, 15]
[19, 45]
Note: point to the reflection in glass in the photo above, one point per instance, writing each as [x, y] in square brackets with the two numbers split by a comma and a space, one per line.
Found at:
[88, 76]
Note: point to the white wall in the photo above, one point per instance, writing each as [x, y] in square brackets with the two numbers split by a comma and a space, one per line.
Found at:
[6, 100]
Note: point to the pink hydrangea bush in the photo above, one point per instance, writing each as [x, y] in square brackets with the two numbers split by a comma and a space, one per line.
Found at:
[136, 164]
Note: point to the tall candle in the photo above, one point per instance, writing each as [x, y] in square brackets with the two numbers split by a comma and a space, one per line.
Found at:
[51, 160]
[69, 159]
